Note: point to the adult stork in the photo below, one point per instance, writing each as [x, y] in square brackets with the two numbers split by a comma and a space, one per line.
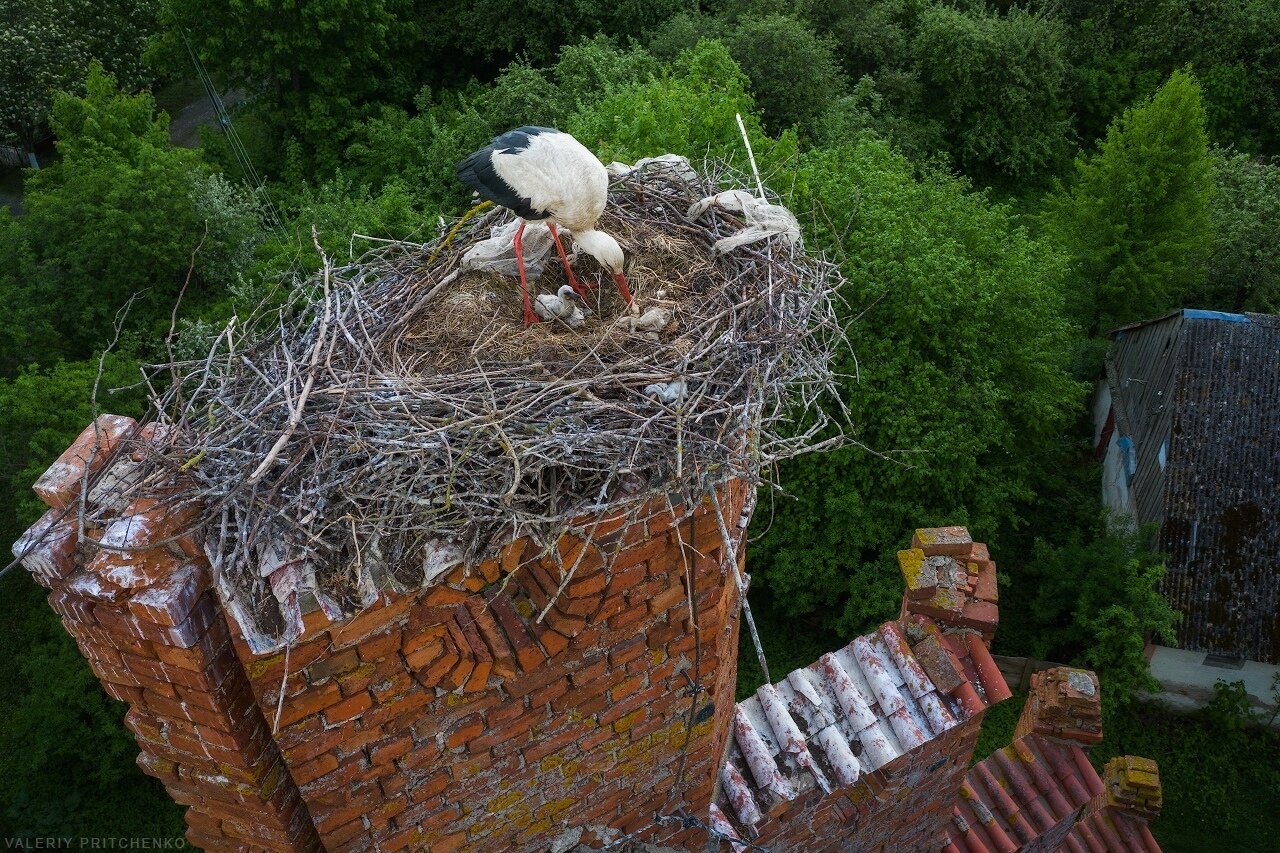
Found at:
[543, 174]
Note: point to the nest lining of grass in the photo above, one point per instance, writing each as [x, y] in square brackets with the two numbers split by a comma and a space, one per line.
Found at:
[393, 417]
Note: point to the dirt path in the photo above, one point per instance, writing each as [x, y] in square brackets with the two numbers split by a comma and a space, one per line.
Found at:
[185, 124]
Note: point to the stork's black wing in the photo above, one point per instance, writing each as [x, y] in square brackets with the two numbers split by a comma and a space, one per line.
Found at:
[478, 173]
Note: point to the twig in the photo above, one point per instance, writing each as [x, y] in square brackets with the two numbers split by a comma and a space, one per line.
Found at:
[742, 128]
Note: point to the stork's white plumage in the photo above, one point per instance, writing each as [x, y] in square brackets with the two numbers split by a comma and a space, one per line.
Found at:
[543, 174]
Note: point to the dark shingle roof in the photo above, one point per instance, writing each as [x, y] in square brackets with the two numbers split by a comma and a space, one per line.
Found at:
[1220, 523]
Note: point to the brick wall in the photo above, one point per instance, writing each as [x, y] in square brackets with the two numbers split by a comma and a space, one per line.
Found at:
[453, 719]
[151, 628]
[449, 718]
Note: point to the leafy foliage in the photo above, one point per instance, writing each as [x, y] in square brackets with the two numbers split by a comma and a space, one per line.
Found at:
[58, 725]
[1244, 265]
[41, 411]
[500, 29]
[960, 379]
[66, 760]
[313, 66]
[691, 112]
[1135, 219]
[120, 215]
[46, 46]
[1217, 775]
[999, 83]
[793, 73]
[867, 110]
[1094, 601]
[1125, 49]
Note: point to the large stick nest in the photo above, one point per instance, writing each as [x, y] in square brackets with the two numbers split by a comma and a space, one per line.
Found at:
[393, 416]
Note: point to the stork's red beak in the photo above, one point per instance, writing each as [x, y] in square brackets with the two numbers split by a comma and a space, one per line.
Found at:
[622, 287]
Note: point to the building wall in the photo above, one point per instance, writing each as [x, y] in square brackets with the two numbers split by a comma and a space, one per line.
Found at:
[453, 719]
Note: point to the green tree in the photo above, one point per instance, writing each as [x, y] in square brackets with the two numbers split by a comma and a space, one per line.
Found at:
[1136, 218]
[873, 35]
[120, 215]
[46, 46]
[498, 30]
[1093, 600]
[419, 152]
[39, 55]
[960, 381]
[26, 328]
[689, 111]
[66, 762]
[41, 411]
[1244, 266]
[793, 72]
[682, 32]
[867, 110]
[1124, 49]
[999, 83]
[313, 67]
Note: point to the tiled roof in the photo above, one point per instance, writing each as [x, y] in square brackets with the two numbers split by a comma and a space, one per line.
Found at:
[1021, 792]
[852, 712]
[1199, 395]
[1222, 493]
[1035, 790]
[1109, 831]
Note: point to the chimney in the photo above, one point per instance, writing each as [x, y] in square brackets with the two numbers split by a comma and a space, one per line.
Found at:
[952, 580]
[509, 705]
[1064, 704]
[148, 622]
[1133, 786]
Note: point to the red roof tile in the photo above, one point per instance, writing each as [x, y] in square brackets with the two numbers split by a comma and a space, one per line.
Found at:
[1034, 787]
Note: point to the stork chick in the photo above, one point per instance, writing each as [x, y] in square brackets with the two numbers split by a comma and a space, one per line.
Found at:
[560, 306]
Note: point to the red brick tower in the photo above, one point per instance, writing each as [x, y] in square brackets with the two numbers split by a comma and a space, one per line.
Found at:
[506, 706]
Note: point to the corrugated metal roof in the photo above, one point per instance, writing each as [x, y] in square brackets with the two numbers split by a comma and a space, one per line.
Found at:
[1216, 422]
[851, 712]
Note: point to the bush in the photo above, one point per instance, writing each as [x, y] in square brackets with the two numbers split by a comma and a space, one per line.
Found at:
[999, 83]
[959, 388]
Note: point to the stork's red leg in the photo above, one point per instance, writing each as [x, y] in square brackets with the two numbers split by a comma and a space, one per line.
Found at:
[577, 286]
[529, 317]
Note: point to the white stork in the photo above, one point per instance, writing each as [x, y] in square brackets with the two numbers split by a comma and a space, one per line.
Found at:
[544, 174]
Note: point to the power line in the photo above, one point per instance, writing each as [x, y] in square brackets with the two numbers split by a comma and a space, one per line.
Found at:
[251, 175]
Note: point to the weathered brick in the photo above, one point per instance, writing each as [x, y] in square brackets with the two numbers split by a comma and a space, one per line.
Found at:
[553, 641]
[327, 667]
[631, 615]
[48, 548]
[375, 648]
[60, 484]
[347, 708]
[517, 632]
[425, 653]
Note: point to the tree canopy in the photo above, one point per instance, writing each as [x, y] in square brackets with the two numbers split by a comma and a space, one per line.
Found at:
[960, 382]
[1135, 217]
